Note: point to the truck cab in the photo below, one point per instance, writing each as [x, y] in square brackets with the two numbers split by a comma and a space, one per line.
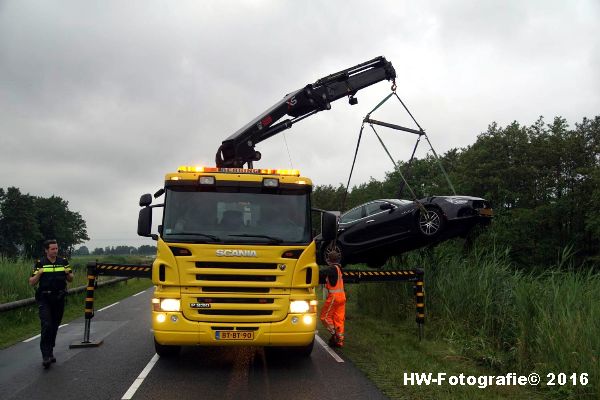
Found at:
[236, 262]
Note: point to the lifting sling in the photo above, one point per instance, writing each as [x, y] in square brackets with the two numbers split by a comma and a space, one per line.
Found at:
[420, 132]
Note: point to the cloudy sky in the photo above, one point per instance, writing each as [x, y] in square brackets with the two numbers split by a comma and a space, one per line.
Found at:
[99, 99]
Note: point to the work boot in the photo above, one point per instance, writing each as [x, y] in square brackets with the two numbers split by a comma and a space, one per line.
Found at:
[332, 341]
[46, 362]
[52, 358]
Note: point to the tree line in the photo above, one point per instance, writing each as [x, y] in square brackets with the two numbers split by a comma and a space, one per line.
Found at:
[116, 250]
[26, 221]
[543, 181]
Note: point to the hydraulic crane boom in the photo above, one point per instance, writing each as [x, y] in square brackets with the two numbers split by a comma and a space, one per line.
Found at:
[238, 149]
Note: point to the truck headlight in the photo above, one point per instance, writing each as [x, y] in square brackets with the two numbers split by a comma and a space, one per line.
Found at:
[170, 304]
[299, 306]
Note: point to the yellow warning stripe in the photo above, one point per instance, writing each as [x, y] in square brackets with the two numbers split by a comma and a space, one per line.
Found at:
[89, 299]
[123, 268]
[90, 288]
[89, 309]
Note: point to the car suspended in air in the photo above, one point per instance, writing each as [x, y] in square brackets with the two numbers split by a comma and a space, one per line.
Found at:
[372, 232]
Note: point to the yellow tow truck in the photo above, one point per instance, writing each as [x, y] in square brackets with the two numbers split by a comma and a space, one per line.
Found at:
[236, 260]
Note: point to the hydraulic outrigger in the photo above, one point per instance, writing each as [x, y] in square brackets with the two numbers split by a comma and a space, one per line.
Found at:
[95, 269]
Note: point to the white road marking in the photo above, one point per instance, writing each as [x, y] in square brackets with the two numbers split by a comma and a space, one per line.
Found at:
[38, 335]
[104, 308]
[328, 349]
[137, 294]
[32, 338]
[140, 379]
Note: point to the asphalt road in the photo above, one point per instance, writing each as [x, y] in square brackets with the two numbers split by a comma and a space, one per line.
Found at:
[126, 366]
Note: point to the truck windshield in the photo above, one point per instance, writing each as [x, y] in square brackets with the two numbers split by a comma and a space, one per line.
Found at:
[219, 217]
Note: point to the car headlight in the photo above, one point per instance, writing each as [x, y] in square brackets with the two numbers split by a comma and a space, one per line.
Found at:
[299, 306]
[457, 201]
[170, 304]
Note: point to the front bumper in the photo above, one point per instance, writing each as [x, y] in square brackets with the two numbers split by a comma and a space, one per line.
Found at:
[177, 330]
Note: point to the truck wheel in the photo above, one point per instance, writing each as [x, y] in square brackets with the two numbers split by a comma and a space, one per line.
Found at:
[166, 351]
[303, 351]
[285, 352]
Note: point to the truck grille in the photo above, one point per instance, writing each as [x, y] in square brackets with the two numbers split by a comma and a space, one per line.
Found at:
[236, 292]
[236, 278]
[234, 265]
[235, 300]
[218, 289]
[235, 312]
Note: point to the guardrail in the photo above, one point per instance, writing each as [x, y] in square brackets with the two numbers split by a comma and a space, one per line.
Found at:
[30, 301]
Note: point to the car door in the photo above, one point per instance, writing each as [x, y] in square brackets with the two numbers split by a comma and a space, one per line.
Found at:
[398, 222]
[351, 224]
[375, 219]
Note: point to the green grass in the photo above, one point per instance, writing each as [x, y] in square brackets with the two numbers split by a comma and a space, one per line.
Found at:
[24, 322]
[14, 276]
[485, 310]
[385, 350]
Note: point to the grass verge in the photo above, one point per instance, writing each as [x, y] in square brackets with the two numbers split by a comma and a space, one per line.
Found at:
[386, 350]
[24, 322]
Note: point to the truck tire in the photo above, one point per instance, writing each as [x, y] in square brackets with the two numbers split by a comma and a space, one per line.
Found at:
[166, 351]
[303, 351]
[285, 352]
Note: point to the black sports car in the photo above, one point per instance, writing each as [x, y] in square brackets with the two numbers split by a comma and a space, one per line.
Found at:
[374, 231]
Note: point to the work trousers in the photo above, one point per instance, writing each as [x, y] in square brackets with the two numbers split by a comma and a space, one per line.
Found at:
[333, 314]
[51, 307]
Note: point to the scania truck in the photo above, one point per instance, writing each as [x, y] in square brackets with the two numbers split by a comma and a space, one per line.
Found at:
[236, 260]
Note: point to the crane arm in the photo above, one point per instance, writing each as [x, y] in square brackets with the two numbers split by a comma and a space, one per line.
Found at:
[238, 149]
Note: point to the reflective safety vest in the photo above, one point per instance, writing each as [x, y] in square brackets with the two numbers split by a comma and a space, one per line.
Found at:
[339, 285]
[54, 277]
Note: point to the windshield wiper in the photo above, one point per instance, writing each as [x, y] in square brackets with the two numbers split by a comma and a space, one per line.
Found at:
[213, 237]
[271, 238]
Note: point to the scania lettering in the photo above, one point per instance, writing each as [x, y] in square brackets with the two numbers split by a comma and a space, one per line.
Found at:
[236, 253]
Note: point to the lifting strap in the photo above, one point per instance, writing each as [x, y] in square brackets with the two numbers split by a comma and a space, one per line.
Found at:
[412, 192]
[419, 132]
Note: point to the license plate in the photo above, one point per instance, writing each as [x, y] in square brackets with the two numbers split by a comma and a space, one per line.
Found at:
[486, 212]
[234, 335]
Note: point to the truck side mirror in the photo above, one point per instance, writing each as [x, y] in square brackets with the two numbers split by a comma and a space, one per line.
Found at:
[329, 226]
[145, 200]
[145, 222]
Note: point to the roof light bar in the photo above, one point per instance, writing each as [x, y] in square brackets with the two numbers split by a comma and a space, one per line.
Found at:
[196, 168]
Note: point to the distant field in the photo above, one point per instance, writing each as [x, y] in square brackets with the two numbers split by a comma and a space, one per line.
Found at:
[14, 275]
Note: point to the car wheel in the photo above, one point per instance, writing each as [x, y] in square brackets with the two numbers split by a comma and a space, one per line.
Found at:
[430, 223]
[332, 252]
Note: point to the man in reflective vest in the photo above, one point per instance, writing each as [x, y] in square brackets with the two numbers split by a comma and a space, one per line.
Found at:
[52, 273]
[334, 309]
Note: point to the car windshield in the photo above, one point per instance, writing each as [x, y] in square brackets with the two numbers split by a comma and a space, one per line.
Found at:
[218, 217]
[400, 202]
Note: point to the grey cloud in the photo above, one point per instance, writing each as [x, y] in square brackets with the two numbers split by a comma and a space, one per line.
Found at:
[98, 100]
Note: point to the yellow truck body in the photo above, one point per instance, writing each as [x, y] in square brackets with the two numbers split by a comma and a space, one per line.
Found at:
[221, 283]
